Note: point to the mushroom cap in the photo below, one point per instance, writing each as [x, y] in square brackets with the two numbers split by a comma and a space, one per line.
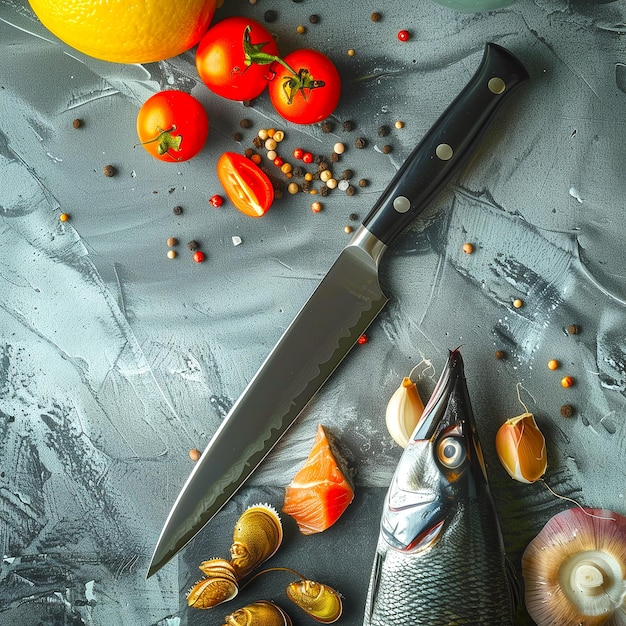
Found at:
[575, 569]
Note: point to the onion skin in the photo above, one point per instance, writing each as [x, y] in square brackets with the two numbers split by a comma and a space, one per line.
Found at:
[575, 569]
[521, 448]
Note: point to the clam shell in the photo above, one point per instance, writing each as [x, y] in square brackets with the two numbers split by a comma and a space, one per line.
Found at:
[320, 601]
[261, 613]
[258, 534]
[220, 585]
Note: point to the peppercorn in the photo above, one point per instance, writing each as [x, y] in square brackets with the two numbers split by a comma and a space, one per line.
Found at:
[553, 364]
[278, 136]
[322, 166]
[376, 17]
[567, 410]
[109, 170]
[334, 157]
[245, 123]
[348, 126]
[353, 217]
[399, 124]
[567, 381]
[518, 303]
[300, 29]
[177, 210]
[258, 142]
[324, 191]
[194, 454]
[64, 217]
[347, 229]
[77, 123]
[193, 245]
[172, 242]
[351, 190]
[360, 143]
[383, 130]
[238, 137]
[293, 188]
[404, 35]
[500, 355]
[270, 16]
[198, 256]
[386, 149]
[298, 171]
[363, 182]
[327, 126]
[171, 254]
[347, 174]
[248, 153]
[573, 329]
[314, 19]
[362, 340]
[316, 207]
[331, 183]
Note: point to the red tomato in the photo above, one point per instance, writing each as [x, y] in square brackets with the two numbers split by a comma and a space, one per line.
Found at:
[247, 186]
[234, 56]
[172, 126]
[310, 92]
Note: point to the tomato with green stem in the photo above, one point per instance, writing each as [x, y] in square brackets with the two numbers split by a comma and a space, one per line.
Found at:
[247, 185]
[233, 58]
[172, 126]
[306, 86]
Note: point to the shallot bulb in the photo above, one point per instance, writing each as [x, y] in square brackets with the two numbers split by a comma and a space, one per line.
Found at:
[521, 448]
[404, 409]
[575, 570]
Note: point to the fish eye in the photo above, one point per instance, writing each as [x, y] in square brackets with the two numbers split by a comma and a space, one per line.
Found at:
[451, 452]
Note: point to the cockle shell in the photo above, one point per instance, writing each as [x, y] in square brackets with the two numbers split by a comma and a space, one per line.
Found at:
[404, 409]
[521, 448]
[261, 613]
[258, 534]
[575, 570]
[220, 585]
[320, 601]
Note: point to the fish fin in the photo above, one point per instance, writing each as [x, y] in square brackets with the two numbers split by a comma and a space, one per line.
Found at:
[515, 588]
[374, 583]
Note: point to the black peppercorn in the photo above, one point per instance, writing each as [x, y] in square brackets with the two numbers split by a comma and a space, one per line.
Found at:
[324, 190]
[245, 123]
[567, 410]
[109, 170]
[237, 137]
[257, 142]
[348, 126]
[270, 16]
[383, 130]
[327, 126]
[351, 190]
[77, 123]
[386, 149]
[347, 174]
[177, 210]
[360, 143]
[193, 245]
[363, 182]
[500, 354]
[376, 17]
[334, 157]
[573, 329]
[314, 19]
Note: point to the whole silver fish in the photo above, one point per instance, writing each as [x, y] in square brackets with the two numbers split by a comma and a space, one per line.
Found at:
[440, 559]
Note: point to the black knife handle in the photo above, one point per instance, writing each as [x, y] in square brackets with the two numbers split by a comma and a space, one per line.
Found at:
[447, 144]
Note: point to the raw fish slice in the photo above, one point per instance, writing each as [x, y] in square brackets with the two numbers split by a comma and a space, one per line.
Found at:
[321, 490]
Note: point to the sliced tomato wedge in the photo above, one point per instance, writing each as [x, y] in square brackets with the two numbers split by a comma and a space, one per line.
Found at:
[246, 184]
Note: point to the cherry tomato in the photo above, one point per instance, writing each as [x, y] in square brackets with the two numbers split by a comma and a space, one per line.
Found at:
[309, 91]
[247, 186]
[234, 56]
[172, 126]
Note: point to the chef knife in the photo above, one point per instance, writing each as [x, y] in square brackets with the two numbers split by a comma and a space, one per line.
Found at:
[341, 308]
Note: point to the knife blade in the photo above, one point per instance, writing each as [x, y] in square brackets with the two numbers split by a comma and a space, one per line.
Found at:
[338, 312]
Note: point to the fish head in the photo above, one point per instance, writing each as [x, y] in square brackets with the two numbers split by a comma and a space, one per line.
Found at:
[441, 468]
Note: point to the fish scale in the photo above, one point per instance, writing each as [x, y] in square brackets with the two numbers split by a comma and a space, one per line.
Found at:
[440, 557]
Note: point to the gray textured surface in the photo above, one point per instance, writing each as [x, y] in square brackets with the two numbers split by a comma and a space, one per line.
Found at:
[115, 361]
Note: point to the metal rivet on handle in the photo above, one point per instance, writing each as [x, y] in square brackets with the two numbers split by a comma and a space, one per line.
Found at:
[444, 151]
[496, 85]
[401, 204]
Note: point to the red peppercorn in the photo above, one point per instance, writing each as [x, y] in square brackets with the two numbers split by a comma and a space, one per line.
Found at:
[198, 256]
[278, 161]
[216, 201]
[404, 35]
[362, 339]
[298, 153]
[307, 157]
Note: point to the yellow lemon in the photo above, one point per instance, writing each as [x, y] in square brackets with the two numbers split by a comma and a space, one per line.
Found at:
[127, 31]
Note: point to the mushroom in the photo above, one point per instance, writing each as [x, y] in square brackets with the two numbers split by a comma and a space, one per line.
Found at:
[575, 570]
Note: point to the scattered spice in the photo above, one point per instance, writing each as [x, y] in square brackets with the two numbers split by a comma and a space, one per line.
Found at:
[468, 248]
[386, 149]
[553, 364]
[172, 242]
[270, 16]
[348, 126]
[238, 137]
[363, 182]
[194, 454]
[500, 355]
[353, 216]
[518, 303]
[64, 217]
[567, 410]
[567, 381]
[334, 157]
[573, 329]
[278, 136]
[77, 123]
[216, 201]
[399, 124]
[327, 126]
[347, 174]
[404, 35]
[193, 245]
[351, 190]
[171, 254]
[383, 130]
[362, 340]
[376, 17]
[339, 148]
[316, 207]
[351, 52]
[198, 256]
[314, 19]
[177, 210]
[348, 229]
[293, 188]
[360, 143]
[109, 170]
[245, 123]
[301, 30]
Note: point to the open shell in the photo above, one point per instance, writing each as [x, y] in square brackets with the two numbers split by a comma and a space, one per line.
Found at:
[220, 585]
[258, 534]
[575, 570]
[261, 613]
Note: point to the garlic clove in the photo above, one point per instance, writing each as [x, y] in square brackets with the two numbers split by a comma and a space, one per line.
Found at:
[521, 448]
[404, 409]
[575, 569]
